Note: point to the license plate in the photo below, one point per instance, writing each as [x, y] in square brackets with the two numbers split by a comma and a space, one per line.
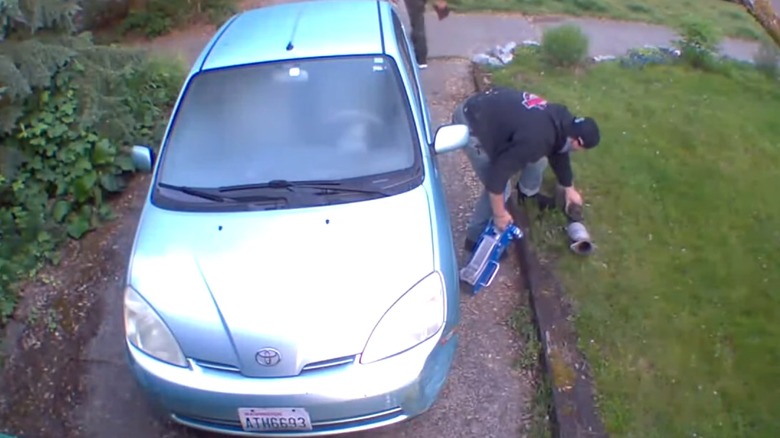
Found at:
[274, 419]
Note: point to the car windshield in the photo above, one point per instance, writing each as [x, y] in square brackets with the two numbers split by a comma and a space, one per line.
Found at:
[326, 119]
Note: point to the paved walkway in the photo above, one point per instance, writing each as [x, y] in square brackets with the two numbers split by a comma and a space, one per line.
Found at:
[464, 35]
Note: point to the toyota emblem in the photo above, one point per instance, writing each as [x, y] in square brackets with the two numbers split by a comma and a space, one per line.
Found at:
[268, 357]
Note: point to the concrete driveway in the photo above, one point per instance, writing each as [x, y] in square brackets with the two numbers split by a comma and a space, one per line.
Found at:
[485, 394]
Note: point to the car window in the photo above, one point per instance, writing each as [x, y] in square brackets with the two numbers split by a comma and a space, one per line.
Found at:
[405, 54]
[319, 119]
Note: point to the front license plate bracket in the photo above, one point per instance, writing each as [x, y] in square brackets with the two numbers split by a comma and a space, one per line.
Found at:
[274, 419]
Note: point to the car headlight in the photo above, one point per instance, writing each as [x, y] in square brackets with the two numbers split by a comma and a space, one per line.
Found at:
[413, 319]
[147, 332]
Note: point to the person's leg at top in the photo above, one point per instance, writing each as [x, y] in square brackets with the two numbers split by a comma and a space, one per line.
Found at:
[416, 10]
[530, 184]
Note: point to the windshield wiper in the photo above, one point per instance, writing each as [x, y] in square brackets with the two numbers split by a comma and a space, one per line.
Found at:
[207, 194]
[194, 192]
[332, 186]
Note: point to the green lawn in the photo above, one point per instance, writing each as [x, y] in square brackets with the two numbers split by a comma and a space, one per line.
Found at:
[728, 17]
[679, 309]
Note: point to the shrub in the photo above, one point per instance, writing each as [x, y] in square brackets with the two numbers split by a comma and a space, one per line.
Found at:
[645, 56]
[578, 6]
[564, 46]
[68, 151]
[158, 17]
[68, 111]
[767, 59]
[698, 44]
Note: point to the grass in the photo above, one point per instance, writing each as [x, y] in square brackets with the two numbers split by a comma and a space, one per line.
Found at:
[528, 360]
[541, 405]
[730, 18]
[678, 311]
[522, 324]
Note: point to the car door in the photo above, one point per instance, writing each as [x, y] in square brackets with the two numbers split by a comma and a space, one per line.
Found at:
[413, 71]
[443, 234]
[442, 211]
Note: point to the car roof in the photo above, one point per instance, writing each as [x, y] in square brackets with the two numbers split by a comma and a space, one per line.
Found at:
[305, 29]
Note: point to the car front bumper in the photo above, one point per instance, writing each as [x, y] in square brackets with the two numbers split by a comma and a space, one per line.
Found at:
[346, 398]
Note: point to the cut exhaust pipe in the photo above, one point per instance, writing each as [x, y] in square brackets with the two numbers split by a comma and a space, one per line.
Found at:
[579, 238]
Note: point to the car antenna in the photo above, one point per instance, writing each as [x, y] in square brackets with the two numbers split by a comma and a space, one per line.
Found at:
[295, 28]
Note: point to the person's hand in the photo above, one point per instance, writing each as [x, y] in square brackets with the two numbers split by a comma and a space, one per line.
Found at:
[572, 196]
[442, 9]
[394, 2]
[502, 220]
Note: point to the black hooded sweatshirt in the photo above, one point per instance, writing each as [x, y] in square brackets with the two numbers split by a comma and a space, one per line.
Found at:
[517, 127]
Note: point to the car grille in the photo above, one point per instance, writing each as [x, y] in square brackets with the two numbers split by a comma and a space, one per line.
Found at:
[317, 426]
[216, 366]
[314, 366]
[339, 361]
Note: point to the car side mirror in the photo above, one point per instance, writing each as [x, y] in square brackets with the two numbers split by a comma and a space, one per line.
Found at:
[143, 158]
[450, 137]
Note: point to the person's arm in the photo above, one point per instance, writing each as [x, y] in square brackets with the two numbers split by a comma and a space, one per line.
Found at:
[501, 170]
[561, 166]
[501, 217]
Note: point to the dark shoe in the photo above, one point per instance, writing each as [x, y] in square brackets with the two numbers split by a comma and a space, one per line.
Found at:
[542, 202]
[470, 246]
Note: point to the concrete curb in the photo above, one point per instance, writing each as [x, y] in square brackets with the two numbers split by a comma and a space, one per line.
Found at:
[574, 411]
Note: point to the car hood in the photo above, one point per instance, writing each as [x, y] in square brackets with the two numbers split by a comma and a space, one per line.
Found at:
[309, 283]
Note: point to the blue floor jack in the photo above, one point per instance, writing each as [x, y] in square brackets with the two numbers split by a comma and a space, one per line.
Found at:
[484, 264]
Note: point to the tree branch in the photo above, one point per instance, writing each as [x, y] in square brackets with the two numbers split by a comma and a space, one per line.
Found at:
[763, 12]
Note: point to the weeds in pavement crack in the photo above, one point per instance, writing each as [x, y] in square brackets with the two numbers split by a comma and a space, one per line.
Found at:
[528, 360]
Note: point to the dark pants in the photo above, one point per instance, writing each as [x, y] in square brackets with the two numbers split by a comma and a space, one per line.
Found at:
[416, 9]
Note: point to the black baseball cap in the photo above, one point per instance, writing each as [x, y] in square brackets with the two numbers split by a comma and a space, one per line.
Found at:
[587, 131]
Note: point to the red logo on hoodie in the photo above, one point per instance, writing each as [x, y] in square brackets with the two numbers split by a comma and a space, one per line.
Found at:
[532, 101]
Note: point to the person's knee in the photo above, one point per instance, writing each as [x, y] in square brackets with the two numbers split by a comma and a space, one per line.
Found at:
[530, 182]
[532, 177]
[541, 164]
